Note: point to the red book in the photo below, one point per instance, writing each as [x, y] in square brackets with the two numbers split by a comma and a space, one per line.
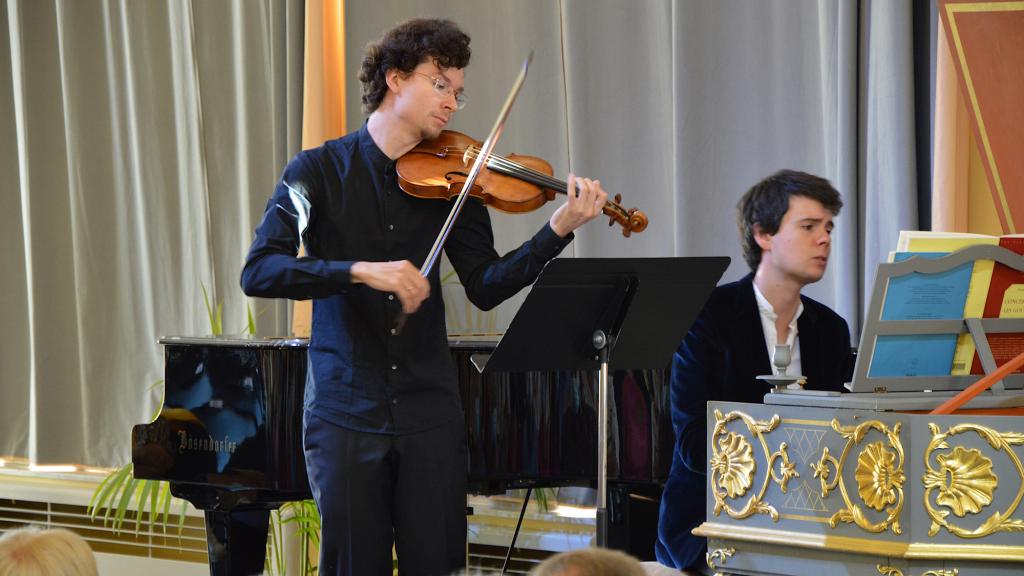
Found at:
[1005, 300]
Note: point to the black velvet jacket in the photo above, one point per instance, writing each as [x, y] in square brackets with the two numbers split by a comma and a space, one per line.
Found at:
[718, 360]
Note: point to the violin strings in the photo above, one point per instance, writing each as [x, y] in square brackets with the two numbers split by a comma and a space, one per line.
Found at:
[516, 168]
[513, 166]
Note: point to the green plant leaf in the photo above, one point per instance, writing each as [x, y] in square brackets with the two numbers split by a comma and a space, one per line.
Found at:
[122, 504]
[306, 518]
[181, 517]
[154, 498]
[544, 497]
[273, 562]
[145, 489]
[165, 498]
[162, 504]
[209, 310]
[159, 406]
[109, 489]
[99, 494]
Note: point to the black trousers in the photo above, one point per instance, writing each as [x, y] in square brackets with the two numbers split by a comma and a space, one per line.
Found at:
[375, 490]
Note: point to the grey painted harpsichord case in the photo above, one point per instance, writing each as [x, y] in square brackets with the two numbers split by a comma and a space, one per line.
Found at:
[869, 483]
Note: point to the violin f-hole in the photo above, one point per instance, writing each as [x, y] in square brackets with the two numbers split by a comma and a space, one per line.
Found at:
[448, 175]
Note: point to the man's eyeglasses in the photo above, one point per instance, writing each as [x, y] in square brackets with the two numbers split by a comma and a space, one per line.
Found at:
[444, 88]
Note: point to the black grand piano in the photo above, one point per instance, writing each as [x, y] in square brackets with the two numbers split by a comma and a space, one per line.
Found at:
[229, 438]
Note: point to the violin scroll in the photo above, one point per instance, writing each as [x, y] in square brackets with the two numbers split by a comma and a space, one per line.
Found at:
[632, 220]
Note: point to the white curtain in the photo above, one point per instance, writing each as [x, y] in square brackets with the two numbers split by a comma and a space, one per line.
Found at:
[138, 159]
[888, 180]
[140, 140]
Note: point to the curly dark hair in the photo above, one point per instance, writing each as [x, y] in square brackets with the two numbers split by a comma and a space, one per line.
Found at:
[767, 202]
[405, 47]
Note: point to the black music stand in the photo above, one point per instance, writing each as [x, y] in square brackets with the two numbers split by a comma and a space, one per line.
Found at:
[606, 313]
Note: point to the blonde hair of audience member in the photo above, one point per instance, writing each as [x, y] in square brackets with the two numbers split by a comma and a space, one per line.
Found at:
[54, 552]
[590, 562]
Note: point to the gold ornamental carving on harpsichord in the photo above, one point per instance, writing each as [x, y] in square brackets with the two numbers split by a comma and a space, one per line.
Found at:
[893, 571]
[879, 475]
[964, 483]
[720, 554]
[733, 466]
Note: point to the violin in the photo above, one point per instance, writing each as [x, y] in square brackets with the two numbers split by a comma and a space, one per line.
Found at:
[515, 183]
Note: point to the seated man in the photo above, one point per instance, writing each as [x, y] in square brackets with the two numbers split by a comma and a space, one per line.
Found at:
[785, 226]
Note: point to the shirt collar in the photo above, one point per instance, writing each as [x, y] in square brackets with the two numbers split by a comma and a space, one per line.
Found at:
[371, 152]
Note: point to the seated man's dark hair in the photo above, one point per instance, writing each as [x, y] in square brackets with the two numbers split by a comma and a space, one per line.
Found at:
[404, 47]
[766, 203]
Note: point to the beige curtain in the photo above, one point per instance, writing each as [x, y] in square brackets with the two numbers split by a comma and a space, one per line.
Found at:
[323, 95]
[140, 142]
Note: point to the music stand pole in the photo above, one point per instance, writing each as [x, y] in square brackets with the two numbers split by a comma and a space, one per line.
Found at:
[603, 344]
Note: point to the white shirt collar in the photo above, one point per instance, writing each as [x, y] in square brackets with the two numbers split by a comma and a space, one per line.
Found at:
[771, 335]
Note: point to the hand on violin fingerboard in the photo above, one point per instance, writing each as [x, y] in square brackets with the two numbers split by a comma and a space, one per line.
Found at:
[400, 278]
[585, 200]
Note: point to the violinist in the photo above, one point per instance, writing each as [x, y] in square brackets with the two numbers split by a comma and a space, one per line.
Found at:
[383, 430]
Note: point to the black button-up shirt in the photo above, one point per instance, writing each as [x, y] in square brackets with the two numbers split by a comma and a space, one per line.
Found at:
[342, 199]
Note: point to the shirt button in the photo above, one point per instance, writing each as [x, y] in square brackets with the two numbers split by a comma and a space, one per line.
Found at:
[394, 401]
[391, 296]
[394, 366]
[391, 226]
[394, 331]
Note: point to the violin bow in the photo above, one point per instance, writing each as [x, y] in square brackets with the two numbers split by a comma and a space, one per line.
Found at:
[478, 164]
[460, 201]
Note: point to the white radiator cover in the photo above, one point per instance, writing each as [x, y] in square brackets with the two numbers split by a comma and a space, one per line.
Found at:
[60, 500]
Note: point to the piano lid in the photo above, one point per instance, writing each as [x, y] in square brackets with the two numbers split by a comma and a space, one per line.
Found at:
[235, 341]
